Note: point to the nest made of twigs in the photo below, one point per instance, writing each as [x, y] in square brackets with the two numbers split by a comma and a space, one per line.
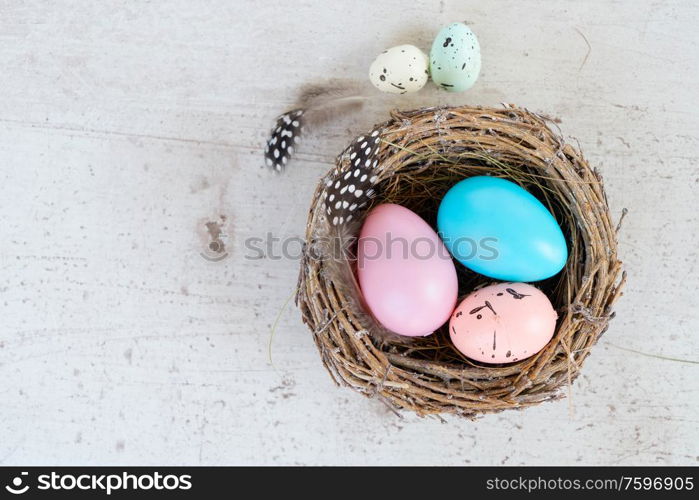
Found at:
[422, 154]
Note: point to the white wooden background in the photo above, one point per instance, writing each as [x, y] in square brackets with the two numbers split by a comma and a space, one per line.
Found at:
[126, 126]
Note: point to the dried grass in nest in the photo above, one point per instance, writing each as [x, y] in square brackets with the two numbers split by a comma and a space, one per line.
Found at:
[423, 153]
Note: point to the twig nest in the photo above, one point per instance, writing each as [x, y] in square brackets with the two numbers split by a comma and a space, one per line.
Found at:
[421, 154]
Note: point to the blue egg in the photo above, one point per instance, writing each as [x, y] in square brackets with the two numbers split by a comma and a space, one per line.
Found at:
[496, 228]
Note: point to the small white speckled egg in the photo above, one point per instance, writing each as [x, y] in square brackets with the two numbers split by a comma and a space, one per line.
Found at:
[400, 69]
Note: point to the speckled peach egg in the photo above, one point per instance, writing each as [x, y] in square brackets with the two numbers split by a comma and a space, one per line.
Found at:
[503, 323]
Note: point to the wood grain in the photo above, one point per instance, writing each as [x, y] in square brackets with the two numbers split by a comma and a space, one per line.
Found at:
[125, 127]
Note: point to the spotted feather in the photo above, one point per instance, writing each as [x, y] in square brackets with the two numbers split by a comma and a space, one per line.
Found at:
[352, 184]
[317, 104]
[280, 145]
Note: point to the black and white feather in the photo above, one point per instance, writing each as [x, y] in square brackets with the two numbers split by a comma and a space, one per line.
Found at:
[317, 104]
[351, 185]
[280, 145]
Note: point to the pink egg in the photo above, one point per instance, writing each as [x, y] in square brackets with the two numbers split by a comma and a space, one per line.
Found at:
[405, 272]
[503, 323]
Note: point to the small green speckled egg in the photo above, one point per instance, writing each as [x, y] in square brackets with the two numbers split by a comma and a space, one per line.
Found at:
[455, 58]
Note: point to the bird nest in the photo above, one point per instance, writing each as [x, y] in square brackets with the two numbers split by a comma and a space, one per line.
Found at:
[421, 154]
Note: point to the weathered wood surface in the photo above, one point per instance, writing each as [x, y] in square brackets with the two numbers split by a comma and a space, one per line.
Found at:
[126, 126]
